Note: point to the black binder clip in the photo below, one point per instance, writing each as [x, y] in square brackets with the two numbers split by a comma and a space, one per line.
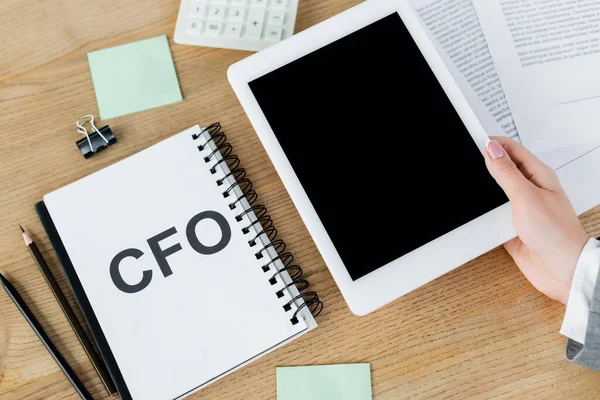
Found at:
[97, 141]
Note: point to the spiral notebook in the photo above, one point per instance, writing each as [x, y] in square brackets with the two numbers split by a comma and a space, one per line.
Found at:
[178, 272]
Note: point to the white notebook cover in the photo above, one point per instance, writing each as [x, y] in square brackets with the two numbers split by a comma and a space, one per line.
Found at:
[214, 313]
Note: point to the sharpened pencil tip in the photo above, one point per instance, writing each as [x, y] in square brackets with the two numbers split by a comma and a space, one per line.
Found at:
[26, 237]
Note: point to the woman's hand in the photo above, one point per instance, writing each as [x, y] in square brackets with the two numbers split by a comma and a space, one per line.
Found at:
[550, 237]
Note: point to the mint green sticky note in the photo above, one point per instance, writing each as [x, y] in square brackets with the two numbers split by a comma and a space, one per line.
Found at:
[325, 382]
[134, 77]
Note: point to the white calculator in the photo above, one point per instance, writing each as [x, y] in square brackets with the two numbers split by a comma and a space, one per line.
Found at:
[235, 24]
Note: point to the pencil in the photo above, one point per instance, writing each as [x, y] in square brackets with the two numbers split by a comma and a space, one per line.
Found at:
[64, 304]
[37, 328]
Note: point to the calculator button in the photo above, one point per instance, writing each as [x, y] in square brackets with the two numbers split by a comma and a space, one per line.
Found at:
[233, 30]
[256, 16]
[237, 14]
[214, 28]
[273, 33]
[254, 24]
[194, 27]
[279, 4]
[253, 31]
[216, 13]
[197, 10]
[276, 17]
[239, 3]
[258, 3]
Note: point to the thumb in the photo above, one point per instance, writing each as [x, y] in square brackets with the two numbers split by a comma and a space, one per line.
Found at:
[504, 170]
[514, 248]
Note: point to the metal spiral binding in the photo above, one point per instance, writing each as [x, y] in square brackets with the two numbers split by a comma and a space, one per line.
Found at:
[309, 299]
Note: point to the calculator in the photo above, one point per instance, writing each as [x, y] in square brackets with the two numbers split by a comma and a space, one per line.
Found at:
[235, 24]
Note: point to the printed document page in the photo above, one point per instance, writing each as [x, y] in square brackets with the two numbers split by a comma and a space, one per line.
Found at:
[453, 27]
[547, 55]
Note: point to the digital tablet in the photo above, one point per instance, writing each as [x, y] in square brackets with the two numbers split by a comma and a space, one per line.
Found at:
[378, 149]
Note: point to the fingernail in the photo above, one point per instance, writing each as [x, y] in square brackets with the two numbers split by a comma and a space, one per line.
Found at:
[494, 149]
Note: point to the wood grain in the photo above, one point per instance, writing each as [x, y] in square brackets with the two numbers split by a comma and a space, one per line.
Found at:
[481, 331]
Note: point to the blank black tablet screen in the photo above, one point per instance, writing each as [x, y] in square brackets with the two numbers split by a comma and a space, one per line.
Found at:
[379, 149]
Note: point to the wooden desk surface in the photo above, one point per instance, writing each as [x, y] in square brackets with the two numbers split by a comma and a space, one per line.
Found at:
[481, 331]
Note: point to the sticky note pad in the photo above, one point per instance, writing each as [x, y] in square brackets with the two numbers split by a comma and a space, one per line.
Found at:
[134, 77]
[325, 382]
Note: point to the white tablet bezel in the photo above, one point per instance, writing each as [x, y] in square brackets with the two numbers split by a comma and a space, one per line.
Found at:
[423, 264]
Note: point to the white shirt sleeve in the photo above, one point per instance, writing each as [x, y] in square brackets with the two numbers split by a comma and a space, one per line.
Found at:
[574, 324]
